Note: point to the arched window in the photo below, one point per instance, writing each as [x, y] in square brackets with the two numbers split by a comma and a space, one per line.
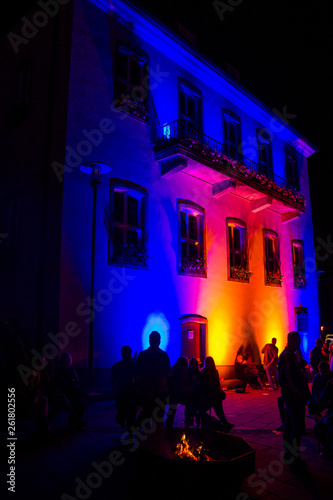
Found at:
[128, 224]
[191, 223]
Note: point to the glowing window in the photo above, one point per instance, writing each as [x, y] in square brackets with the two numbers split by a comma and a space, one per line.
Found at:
[273, 274]
[128, 224]
[237, 250]
[192, 259]
[131, 85]
[297, 250]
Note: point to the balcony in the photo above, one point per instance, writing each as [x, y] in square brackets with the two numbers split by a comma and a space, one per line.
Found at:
[180, 148]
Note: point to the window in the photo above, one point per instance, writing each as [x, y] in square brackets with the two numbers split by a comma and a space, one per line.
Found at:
[128, 224]
[237, 251]
[298, 264]
[265, 153]
[191, 236]
[232, 134]
[189, 109]
[273, 274]
[131, 84]
[292, 179]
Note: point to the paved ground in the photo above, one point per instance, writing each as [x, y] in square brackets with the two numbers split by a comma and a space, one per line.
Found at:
[67, 466]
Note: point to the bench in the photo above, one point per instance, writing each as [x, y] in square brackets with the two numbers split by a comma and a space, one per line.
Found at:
[228, 378]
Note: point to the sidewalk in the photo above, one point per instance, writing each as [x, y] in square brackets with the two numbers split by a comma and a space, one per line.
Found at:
[67, 467]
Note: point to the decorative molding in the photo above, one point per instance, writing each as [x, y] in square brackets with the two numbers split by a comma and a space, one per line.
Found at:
[221, 188]
[172, 166]
[260, 204]
[290, 216]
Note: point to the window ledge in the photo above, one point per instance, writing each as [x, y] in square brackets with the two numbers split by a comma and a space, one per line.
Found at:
[132, 115]
[129, 265]
[239, 280]
[194, 275]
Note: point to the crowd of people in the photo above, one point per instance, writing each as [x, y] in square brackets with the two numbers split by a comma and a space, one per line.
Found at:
[139, 384]
[146, 385]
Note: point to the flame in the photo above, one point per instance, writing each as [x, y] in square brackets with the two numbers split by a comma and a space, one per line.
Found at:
[184, 450]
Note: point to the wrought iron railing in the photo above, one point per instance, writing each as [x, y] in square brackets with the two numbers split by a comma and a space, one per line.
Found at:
[179, 130]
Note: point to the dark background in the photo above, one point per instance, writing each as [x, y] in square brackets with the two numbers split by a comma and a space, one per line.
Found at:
[283, 53]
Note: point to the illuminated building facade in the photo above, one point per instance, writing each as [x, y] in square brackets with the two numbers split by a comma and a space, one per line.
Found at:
[204, 228]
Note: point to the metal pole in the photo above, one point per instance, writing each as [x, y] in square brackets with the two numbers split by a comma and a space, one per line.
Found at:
[92, 279]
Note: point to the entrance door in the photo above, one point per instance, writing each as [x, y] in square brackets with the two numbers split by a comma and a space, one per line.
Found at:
[191, 341]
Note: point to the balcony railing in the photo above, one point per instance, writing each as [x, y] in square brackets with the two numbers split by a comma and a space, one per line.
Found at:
[180, 132]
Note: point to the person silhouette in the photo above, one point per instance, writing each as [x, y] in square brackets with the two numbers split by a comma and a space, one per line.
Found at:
[295, 393]
[153, 369]
[178, 389]
[123, 384]
[213, 395]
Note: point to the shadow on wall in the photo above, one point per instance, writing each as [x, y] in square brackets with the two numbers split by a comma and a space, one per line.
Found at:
[250, 348]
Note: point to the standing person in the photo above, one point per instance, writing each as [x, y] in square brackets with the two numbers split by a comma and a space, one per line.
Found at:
[271, 356]
[153, 370]
[67, 383]
[316, 356]
[330, 350]
[122, 382]
[295, 394]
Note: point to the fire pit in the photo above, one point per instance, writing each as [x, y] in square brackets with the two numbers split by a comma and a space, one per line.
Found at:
[198, 461]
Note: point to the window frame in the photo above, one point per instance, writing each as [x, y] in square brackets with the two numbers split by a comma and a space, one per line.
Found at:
[268, 233]
[298, 244]
[192, 208]
[234, 222]
[265, 167]
[292, 181]
[231, 117]
[195, 125]
[140, 193]
[119, 97]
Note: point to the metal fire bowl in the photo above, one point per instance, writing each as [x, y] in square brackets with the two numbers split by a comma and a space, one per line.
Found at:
[156, 465]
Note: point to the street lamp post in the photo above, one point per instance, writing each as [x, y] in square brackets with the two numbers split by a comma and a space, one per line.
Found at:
[95, 169]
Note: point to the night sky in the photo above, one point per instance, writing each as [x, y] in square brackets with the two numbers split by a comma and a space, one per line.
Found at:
[283, 52]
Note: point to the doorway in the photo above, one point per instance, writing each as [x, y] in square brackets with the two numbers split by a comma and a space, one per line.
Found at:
[193, 337]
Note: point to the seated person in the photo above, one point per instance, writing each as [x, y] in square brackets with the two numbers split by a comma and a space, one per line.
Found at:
[193, 394]
[246, 370]
[178, 390]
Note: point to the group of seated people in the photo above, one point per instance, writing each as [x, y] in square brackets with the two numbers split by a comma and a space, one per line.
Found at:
[198, 390]
[248, 373]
